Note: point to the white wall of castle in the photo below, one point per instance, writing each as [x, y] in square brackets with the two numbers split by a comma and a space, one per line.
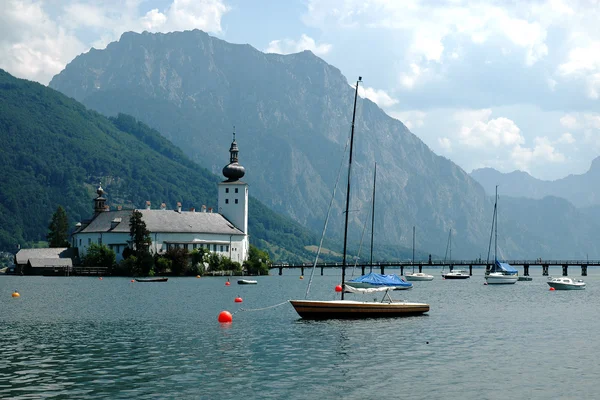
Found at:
[235, 247]
[233, 203]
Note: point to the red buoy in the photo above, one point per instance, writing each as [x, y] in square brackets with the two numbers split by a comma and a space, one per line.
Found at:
[133, 280]
[238, 299]
[338, 288]
[100, 278]
[552, 288]
[227, 283]
[225, 317]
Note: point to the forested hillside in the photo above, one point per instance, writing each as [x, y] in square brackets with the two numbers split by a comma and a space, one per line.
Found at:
[55, 152]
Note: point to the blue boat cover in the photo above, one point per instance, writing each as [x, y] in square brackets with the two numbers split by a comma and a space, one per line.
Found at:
[382, 280]
[505, 267]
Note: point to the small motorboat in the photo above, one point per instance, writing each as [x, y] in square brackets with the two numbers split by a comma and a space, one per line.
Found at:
[456, 274]
[418, 276]
[566, 283]
[151, 279]
[246, 282]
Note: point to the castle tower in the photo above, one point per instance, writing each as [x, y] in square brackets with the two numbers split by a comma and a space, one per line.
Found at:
[233, 193]
[99, 202]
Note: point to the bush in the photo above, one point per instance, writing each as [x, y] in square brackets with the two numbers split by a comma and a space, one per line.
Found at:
[100, 256]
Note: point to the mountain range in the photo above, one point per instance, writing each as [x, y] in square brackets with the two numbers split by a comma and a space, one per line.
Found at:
[580, 190]
[292, 117]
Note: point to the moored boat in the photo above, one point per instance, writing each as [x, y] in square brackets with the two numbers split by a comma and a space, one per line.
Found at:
[499, 273]
[566, 283]
[456, 274]
[348, 309]
[151, 279]
[418, 276]
[373, 280]
[246, 282]
[326, 309]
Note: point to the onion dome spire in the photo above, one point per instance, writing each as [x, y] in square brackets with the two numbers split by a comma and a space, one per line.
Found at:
[233, 171]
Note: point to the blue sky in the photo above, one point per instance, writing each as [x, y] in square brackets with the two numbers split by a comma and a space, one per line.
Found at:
[508, 85]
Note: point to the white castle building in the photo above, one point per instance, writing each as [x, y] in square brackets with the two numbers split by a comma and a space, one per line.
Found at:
[225, 232]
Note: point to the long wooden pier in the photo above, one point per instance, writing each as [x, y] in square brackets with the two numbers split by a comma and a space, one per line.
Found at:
[382, 265]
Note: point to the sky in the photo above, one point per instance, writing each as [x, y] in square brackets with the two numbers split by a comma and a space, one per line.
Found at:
[512, 85]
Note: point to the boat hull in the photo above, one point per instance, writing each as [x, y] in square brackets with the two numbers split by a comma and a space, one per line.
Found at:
[347, 309]
[448, 276]
[501, 279]
[151, 279]
[246, 282]
[418, 277]
[565, 286]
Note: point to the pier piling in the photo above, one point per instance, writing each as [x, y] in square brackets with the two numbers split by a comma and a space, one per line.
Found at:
[565, 270]
[544, 269]
[584, 270]
[526, 270]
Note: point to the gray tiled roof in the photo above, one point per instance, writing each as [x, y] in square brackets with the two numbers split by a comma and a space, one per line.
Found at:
[50, 262]
[164, 221]
[58, 252]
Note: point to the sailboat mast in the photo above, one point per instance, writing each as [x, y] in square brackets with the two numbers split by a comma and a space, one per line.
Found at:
[373, 215]
[348, 188]
[413, 260]
[496, 227]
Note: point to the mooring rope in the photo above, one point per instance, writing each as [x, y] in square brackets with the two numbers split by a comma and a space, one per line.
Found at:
[263, 308]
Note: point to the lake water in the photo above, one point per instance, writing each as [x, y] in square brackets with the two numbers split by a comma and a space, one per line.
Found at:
[89, 338]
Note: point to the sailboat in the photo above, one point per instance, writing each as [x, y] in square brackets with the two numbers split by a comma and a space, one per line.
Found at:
[327, 309]
[499, 272]
[455, 273]
[416, 276]
[372, 279]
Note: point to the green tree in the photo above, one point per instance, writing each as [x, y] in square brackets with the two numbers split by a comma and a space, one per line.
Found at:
[258, 262]
[179, 260]
[58, 231]
[141, 241]
[100, 256]
[198, 257]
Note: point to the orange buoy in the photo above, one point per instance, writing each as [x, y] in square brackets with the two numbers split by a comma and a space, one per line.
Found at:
[227, 283]
[238, 299]
[552, 288]
[338, 288]
[133, 280]
[225, 317]
[197, 276]
[16, 294]
[301, 277]
[100, 278]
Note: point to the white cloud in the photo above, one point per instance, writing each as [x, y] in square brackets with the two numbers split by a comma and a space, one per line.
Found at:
[569, 121]
[32, 46]
[287, 46]
[478, 131]
[543, 151]
[379, 97]
[566, 138]
[445, 144]
[35, 45]
[411, 119]
[584, 63]
[433, 28]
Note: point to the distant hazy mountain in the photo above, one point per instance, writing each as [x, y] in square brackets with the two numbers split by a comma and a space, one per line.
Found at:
[581, 190]
[292, 114]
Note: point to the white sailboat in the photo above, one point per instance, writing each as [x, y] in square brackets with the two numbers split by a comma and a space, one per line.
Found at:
[499, 273]
[328, 309]
[455, 273]
[416, 276]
